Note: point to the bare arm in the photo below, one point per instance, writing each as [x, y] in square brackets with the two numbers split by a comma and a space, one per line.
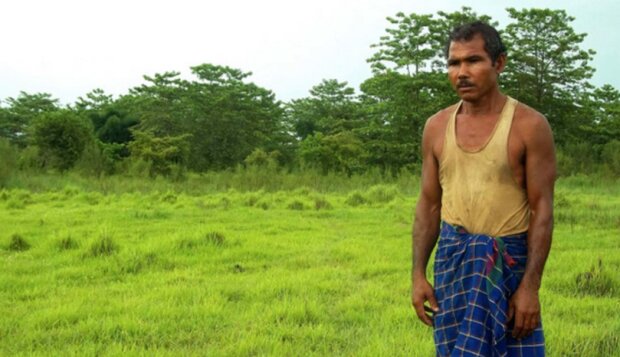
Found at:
[540, 175]
[426, 227]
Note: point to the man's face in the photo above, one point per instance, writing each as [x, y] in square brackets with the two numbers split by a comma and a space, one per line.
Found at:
[470, 69]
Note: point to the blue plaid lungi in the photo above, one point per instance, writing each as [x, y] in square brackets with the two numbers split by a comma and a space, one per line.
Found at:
[475, 276]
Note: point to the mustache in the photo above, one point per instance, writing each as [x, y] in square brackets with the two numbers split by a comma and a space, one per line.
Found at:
[464, 83]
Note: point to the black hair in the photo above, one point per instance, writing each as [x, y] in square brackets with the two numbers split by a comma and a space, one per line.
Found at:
[493, 44]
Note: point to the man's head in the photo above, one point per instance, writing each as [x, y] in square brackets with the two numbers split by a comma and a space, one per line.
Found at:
[493, 44]
[476, 57]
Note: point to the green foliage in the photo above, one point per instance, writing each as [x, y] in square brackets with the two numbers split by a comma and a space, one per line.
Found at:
[331, 108]
[547, 69]
[8, 161]
[342, 152]
[611, 157]
[60, 137]
[166, 155]
[260, 159]
[219, 120]
[22, 111]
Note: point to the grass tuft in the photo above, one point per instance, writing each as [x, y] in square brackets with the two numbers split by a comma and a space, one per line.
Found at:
[138, 262]
[322, 203]
[215, 238]
[595, 282]
[296, 205]
[67, 243]
[103, 246]
[169, 198]
[355, 199]
[382, 193]
[18, 243]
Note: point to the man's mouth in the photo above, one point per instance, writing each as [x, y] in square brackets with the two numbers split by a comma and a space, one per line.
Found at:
[464, 85]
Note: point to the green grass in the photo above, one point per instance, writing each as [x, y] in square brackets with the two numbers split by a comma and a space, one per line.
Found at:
[304, 271]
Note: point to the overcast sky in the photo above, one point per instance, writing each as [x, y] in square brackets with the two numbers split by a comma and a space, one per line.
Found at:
[68, 48]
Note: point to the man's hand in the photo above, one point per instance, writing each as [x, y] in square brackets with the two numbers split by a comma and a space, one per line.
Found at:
[524, 306]
[421, 292]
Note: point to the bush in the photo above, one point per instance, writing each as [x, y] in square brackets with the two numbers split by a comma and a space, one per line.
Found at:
[61, 137]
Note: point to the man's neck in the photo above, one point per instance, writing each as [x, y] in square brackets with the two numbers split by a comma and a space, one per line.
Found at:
[488, 104]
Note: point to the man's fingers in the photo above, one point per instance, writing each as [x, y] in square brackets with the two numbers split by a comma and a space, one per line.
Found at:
[419, 309]
[511, 312]
[527, 321]
[433, 302]
[518, 326]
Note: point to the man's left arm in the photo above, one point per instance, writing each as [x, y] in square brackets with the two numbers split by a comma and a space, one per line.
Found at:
[540, 175]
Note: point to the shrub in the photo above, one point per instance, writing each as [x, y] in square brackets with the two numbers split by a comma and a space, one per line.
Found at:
[61, 137]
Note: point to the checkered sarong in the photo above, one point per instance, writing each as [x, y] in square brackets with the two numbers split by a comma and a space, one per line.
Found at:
[475, 275]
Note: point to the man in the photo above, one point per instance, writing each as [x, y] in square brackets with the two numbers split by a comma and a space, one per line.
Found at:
[487, 193]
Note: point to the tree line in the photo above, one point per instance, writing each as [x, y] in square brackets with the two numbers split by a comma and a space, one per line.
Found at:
[219, 120]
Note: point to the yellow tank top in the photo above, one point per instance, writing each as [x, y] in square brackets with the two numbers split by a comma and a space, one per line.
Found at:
[479, 190]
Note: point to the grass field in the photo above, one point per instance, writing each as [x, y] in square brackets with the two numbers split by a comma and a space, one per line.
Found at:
[316, 270]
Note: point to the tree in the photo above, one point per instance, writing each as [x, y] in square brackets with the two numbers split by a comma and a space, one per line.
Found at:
[331, 108]
[547, 69]
[21, 112]
[408, 85]
[341, 152]
[166, 155]
[231, 118]
[60, 137]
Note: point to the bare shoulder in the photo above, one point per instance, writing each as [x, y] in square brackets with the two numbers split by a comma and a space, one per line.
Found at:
[530, 125]
[436, 124]
[434, 131]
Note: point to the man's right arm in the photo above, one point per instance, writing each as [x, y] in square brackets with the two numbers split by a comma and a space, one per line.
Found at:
[426, 225]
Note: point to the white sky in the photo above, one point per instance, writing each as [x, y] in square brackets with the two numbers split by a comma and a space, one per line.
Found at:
[68, 48]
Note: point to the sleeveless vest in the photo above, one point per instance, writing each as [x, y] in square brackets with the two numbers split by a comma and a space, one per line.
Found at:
[479, 189]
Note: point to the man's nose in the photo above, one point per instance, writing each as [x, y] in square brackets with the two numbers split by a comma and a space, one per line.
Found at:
[463, 71]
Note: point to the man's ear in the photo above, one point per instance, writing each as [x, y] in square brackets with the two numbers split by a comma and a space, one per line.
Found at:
[500, 63]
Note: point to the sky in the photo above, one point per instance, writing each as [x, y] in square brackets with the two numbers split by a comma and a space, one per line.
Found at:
[68, 48]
